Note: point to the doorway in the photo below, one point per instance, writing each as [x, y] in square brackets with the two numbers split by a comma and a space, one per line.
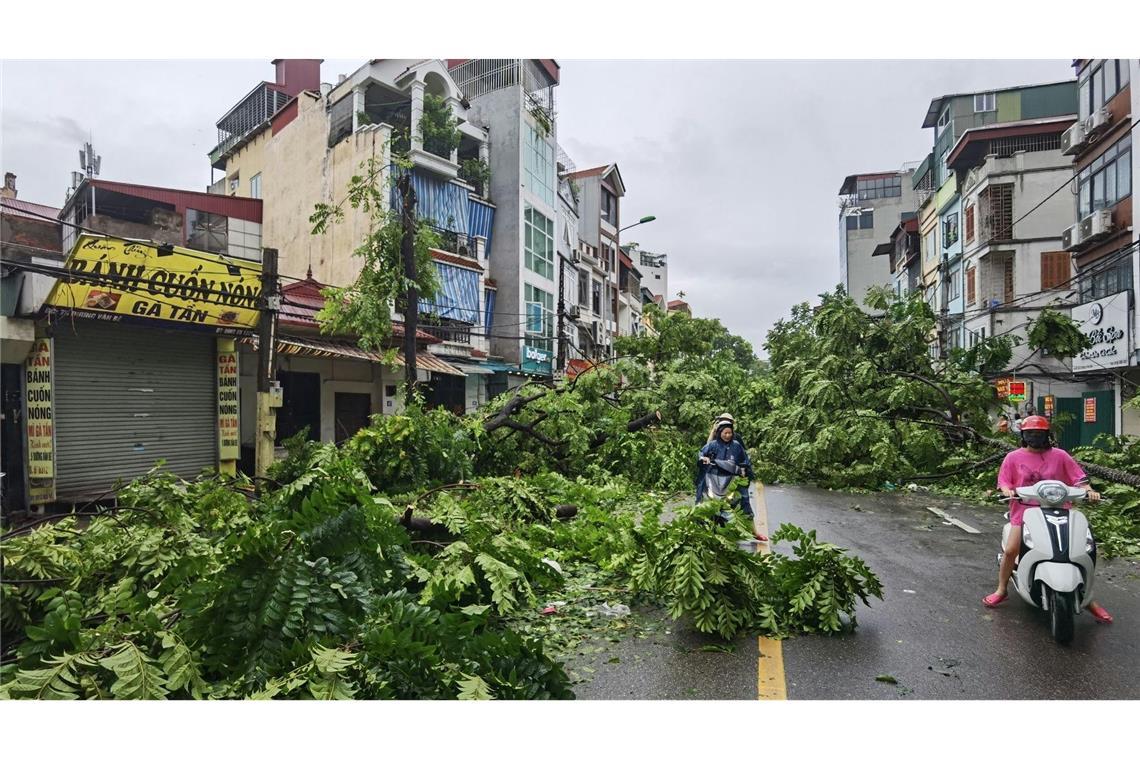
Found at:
[13, 492]
[300, 406]
[351, 413]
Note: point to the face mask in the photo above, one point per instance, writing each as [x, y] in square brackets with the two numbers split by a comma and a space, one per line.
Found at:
[1037, 439]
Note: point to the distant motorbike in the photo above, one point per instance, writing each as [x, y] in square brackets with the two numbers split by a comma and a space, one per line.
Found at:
[719, 475]
[1057, 563]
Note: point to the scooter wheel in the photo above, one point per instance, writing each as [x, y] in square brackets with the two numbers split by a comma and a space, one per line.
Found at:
[1062, 610]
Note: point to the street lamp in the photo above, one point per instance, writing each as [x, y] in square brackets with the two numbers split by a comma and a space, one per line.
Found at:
[643, 220]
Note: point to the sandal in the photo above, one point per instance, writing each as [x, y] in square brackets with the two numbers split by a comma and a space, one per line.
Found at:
[993, 600]
[1100, 614]
[761, 537]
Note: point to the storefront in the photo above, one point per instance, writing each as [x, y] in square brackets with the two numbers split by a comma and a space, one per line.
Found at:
[134, 367]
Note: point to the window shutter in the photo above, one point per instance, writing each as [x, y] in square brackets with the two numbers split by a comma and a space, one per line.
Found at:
[1054, 269]
[970, 284]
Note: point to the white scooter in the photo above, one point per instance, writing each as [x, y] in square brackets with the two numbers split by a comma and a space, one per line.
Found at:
[1057, 563]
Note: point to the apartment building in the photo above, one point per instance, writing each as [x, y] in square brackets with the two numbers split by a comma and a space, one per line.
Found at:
[1102, 238]
[295, 143]
[871, 206]
[514, 100]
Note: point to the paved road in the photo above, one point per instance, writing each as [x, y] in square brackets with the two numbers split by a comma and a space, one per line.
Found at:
[930, 632]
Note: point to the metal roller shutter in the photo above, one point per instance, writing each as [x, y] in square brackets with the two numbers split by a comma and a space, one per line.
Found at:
[126, 397]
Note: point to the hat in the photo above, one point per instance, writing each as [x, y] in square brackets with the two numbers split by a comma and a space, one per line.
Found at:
[727, 417]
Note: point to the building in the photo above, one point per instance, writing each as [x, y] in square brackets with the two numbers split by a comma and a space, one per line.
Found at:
[29, 235]
[950, 116]
[513, 99]
[654, 268]
[870, 208]
[133, 361]
[573, 273]
[601, 190]
[296, 143]
[1102, 239]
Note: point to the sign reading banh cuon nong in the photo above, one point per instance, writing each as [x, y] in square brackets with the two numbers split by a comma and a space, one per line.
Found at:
[38, 387]
[119, 280]
[229, 419]
[1109, 329]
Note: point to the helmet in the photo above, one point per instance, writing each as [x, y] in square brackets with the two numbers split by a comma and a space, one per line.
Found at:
[726, 417]
[1035, 422]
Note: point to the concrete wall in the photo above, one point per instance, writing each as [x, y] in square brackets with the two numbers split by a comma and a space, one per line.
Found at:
[501, 113]
[245, 163]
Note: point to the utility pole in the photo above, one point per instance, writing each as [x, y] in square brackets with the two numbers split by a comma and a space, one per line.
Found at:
[561, 312]
[270, 303]
[412, 305]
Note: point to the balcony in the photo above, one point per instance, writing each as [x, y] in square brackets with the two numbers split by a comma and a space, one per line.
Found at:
[449, 333]
[245, 118]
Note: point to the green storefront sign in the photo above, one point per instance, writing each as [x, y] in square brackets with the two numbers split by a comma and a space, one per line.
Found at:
[536, 360]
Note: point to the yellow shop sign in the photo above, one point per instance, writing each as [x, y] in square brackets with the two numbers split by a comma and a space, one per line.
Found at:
[116, 280]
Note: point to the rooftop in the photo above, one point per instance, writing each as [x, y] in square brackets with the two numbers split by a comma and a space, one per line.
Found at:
[935, 107]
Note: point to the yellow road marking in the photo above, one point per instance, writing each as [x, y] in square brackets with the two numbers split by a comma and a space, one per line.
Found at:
[770, 680]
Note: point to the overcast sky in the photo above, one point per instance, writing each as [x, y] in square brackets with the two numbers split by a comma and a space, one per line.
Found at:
[740, 161]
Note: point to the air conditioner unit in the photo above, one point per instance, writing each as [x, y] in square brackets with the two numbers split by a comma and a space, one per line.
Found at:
[573, 312]
[1071, 237]
[1096, 225]
[576, 257]
[1097, 120]
[1073, 138]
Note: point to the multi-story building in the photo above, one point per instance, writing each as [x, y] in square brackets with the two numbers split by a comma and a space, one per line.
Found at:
[601, 190]
[29, 235]
[514, 100]
[870, 208]
[654, 268]
[296, 143]
[629, 296]
[572, 272]
[1101, 237]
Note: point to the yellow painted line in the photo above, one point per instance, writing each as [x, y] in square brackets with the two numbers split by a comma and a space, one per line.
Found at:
[770, 680]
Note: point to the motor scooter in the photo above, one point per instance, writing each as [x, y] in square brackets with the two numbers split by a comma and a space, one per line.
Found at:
[1056, 565]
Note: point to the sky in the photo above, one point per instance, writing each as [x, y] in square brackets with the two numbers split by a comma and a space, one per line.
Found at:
[740, 161]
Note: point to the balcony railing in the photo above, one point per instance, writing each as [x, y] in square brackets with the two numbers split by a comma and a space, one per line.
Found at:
[245, 117]
[449, 333]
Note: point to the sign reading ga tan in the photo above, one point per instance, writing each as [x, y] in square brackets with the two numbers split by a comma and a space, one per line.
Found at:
[120, 278]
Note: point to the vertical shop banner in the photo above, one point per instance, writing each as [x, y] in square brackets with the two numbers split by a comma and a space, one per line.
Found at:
[229, 419]
[38, 412]
[1090, 409]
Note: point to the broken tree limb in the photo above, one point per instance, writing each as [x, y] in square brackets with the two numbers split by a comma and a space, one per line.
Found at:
[631, 427]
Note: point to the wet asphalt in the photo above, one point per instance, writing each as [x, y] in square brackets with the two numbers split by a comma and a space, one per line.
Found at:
[929, 633]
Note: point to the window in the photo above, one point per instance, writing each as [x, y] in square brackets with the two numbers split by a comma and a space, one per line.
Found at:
[867, 220]
[609, 207]
[255, 186]
[539, 165]
[997, 209]
[985, 102]
[944, 119]
[207, 232]
[929, 247]
[596, 297]
[971, 274]
[852, 222]
[955, 284]
[539, 243]
[949, 230]
[1055, 269]
[1107, 180]
[583, 289]
[879, 187]
[1107, 279]
[970, 223]
[539, 316]
[1101, 84]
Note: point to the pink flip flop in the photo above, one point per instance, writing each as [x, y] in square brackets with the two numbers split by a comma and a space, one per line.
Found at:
[993, 600]
[1100, 614]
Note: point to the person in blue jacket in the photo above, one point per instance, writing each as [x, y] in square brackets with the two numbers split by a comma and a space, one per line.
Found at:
[701, 484]
[725, 447]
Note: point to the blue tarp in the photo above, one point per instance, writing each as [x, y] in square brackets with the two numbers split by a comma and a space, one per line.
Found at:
[489, 294]
[458, 297]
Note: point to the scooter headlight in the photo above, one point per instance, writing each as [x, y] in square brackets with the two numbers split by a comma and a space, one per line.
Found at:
[1090, 545]
[1026, 537]
[1053, 493]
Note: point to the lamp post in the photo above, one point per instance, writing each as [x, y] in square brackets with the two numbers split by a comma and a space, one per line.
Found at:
[643, 220]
